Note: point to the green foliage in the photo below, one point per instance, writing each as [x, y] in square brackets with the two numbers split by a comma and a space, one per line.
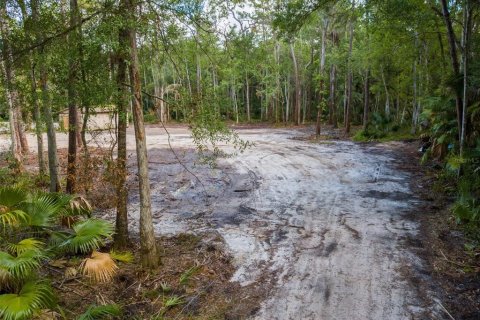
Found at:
[187, 275]
[88, 235]
[22, 214]
[11, 197]
[29, 244]
[95, 312]
[439, 112]
[209, 132]
[125, 257]
[21, 266]
[42, 210]
[32, 297]
[173, 301]
[150, 117]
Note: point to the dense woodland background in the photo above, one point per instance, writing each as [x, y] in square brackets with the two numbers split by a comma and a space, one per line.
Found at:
[379, 69]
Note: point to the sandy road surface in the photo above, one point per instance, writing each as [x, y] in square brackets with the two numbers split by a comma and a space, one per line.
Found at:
[323, 225]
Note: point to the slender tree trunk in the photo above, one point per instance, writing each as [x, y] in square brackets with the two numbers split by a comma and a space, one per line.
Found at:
[466, 47]
[322, 77]
[15, 147]
[278, 88]
[440, 42]
[51, 134]
[454, 60]
[366, 104]
[38, 121]
[350, 76]
[121, 222]
[298, 90]
[332, 100]
[86, 107]
[19, 141]
[189, 83]
[148, 248]
[47, 113]
[72, 100]
[199, 74]
[387, 95]
[247, 96]
[287, 100]
[415, 103]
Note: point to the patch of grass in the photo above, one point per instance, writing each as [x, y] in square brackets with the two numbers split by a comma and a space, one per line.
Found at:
[173, 301]
[187, 275]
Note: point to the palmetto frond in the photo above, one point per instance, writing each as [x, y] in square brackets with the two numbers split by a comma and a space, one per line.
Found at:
[11, 217]
[100, 267]
[10, 197]
[22, 265]
[101, 312]
[42, 209]
[25, 245]
[88, 235]
[72, 208]
[32, 297]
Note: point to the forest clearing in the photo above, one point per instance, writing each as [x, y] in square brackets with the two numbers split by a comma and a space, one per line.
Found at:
[240, 159]
[294, 215]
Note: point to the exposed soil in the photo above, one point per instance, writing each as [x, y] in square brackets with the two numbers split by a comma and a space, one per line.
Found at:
[315, 229]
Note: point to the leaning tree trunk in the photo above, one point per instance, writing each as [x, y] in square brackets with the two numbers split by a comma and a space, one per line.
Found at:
[454, 60]
[148, 248]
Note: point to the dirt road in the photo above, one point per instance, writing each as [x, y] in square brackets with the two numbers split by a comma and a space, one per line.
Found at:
[323, 225]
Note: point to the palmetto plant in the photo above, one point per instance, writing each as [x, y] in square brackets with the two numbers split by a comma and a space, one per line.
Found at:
[59, 224]
[31, 297]
[100, 267]
[88, 235]
[21, 266]
[10, 213]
